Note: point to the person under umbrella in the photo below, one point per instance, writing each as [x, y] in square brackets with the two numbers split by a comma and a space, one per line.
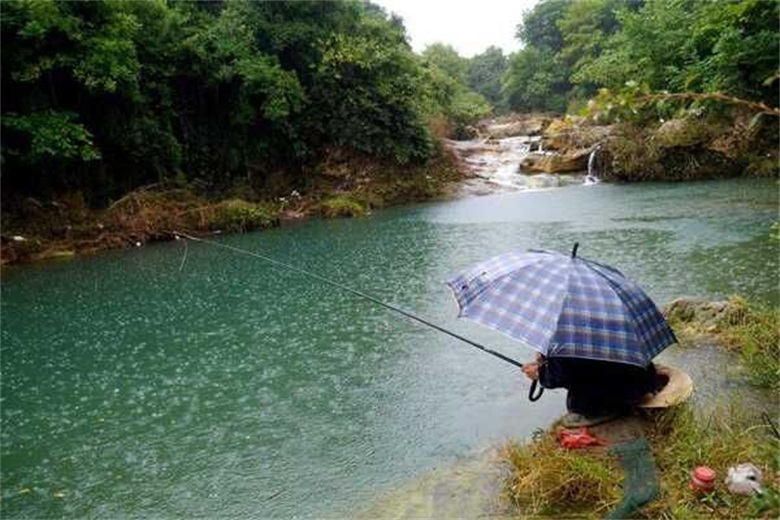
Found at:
[595, 331]
[598, 391]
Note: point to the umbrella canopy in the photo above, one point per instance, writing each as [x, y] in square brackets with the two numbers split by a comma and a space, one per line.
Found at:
[563, 305]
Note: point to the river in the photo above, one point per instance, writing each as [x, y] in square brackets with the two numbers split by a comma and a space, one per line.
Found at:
[183, 380]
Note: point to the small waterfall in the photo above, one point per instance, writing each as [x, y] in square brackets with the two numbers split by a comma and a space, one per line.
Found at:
[591, 177]
[496, 165]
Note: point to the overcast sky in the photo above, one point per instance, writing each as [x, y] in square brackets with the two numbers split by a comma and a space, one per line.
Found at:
[469, 26]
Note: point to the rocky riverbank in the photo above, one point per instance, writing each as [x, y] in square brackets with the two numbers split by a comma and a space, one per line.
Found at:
[689, 147]
[515, 152]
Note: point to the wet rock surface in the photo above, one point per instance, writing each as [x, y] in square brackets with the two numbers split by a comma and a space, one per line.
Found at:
[504, 160]
[709, 315]
[469, 489]
[518, 124]
[572, 161]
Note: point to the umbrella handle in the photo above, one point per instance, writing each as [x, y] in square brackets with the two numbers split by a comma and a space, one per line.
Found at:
[531, 396]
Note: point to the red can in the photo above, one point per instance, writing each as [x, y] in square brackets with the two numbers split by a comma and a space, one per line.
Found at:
[702, 480]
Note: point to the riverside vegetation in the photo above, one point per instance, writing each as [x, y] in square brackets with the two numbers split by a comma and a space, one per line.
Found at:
[123, 120]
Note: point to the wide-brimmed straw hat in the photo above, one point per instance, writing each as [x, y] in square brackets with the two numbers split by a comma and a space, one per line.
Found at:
[678, 388]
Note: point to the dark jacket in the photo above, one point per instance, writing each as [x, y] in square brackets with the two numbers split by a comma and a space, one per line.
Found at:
[597, 387]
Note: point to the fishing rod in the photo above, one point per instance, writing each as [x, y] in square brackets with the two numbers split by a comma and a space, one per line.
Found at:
[352, 291]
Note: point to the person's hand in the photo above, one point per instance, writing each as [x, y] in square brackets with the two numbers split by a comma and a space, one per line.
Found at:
[531, 370]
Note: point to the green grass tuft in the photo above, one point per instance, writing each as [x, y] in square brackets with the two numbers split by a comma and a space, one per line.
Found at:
[551, 482]
[238, 215]
[343, 206]
[755, 334]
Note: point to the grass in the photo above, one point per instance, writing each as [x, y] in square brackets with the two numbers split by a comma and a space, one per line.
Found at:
[682, 440]
[755, 334]
[550, 482]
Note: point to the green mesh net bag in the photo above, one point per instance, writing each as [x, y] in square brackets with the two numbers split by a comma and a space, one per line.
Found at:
[640, 485]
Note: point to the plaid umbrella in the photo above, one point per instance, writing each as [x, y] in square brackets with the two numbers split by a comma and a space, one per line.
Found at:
[563, 305]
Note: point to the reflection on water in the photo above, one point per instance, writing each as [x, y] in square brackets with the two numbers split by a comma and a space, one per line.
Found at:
[135, 386]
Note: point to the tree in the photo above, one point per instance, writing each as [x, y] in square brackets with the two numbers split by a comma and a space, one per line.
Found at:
[105, 96]
[484, 75]
[539, 26]
[737, 46]
[368, 89]
[535, 81]
[586, 27]
[447, 59]
[692, 45]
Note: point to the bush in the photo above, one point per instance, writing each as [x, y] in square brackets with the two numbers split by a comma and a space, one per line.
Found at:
[241, 216]
[343, 206]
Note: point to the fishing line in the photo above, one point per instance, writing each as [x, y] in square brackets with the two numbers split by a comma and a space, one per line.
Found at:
[355, 292]
[184, 257]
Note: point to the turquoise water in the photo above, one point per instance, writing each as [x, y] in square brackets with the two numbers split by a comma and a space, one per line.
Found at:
[181, 380]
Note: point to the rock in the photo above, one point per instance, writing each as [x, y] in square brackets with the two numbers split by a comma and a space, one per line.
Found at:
[468, 132]
[708, 314]
[526, 125]
[563, 134]
[575, 160]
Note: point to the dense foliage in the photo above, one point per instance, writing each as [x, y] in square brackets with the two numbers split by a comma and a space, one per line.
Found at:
[105, 96]
[574, 48]
[102, 97]
[448, 84]
[484, 76]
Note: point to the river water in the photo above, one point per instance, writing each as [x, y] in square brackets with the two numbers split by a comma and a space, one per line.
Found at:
[183, 380]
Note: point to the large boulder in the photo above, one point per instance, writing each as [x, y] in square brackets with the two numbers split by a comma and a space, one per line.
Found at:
[566, 134]
[524, 125]
[572, 161]
[709, 315]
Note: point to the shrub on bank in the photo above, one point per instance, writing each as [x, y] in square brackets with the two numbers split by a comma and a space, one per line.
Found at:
[343, 206]
[238, 215]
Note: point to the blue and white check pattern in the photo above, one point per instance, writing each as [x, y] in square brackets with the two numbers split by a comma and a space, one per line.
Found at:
[563, 306]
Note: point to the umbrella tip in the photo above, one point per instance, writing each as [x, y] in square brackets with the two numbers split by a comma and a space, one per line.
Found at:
[574, 249]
